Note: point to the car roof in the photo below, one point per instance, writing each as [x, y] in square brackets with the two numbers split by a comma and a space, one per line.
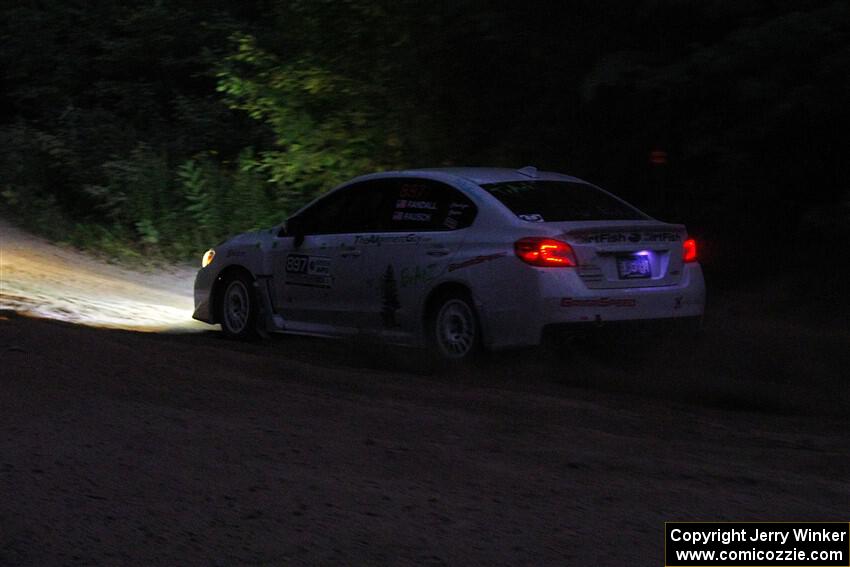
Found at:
[484, 175]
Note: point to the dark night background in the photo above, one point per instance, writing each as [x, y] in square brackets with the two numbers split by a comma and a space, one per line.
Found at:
[146, 131]
[154, 129]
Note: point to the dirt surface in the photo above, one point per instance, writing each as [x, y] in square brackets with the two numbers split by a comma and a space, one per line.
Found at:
[121, 447]
[42, 279]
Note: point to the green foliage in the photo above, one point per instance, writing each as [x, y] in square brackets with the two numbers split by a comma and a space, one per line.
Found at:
[200, 201]
[148, 232]
[157, 129]
[326, 126]
[250, 202]
[110, 240]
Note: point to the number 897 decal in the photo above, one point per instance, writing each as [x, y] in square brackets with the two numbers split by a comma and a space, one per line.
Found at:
[314, 271]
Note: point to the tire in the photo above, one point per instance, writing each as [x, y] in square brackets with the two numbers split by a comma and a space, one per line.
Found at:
[454, 332]
[238, 308]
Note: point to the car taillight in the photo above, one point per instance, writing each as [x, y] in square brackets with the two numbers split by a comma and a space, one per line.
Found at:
[689, 250]
[546, 252]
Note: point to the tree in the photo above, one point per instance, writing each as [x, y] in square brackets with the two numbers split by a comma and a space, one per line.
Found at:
[326, 126]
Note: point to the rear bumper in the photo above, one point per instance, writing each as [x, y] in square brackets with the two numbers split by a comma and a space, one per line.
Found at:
[635, 329]
[685, 299]
[553, 299]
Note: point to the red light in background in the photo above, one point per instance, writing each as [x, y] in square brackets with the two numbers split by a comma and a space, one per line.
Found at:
[658, 157]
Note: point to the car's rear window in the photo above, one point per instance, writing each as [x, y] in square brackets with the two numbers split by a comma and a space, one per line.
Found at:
[553, 201]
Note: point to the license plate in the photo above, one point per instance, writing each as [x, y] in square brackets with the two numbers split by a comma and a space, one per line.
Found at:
[633, 267]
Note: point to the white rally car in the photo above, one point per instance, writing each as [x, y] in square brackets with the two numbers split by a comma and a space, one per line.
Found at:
[456, 259]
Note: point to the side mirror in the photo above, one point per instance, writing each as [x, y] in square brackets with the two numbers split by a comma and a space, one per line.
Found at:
[294, 227]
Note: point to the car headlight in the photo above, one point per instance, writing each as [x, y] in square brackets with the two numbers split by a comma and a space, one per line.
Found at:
[208, 258]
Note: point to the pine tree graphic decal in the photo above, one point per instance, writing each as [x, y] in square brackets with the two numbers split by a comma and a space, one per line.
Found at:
[389, 296]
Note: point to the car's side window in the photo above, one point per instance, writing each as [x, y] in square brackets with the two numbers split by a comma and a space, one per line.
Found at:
[427, 205]
[352, 209]
[389, 204]
[320, 218]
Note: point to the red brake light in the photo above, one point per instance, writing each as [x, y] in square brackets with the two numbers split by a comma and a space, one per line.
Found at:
[545, 252]
[689, 250]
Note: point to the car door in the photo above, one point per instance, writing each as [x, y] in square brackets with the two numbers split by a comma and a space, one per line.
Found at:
[419, 232]
[318, 265]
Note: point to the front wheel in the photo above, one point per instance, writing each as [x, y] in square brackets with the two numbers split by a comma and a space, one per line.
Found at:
[455, 335]
[238, 308]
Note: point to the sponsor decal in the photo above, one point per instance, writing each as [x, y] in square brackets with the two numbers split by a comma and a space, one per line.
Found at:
[590, 272]
[660, 237]
[534, 217]
[598, 302]
[456, 211]
[408, 204]
[376, 240]
[632, 237]
[474, 261]
[313, 271]
[412, 191]
[450, 223]
[417, 275]
[417, 217]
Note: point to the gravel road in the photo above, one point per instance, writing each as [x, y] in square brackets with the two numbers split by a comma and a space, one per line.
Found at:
[42, 279]
[119, 447]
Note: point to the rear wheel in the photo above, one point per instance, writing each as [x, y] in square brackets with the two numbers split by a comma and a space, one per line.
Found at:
[454, 331]
[238, 308]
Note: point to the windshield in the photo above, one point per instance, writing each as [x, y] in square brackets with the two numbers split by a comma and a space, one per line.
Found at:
[554, 201]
